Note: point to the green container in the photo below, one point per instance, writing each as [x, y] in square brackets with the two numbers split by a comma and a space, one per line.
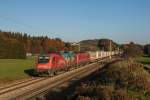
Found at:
[68, 54]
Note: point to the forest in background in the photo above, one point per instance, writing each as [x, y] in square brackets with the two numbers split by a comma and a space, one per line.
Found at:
[16, 45]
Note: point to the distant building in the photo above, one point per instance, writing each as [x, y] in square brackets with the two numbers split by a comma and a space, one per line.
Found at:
[28, 54]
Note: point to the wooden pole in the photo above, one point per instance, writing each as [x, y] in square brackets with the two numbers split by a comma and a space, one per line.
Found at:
[110, 49]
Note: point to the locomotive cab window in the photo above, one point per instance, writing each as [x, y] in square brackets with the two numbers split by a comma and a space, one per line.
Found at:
[43, 59]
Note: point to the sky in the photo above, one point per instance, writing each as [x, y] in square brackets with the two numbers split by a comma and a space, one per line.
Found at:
[75, 20]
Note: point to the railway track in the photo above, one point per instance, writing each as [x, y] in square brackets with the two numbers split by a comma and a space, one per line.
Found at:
[18, 85]
[39, 86]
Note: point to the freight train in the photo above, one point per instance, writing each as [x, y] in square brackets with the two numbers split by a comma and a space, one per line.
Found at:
[52, 63]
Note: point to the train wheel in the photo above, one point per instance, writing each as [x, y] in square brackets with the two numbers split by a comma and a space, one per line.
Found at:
[55, 72]
[67, 68]
[36, 74]
[50, 73]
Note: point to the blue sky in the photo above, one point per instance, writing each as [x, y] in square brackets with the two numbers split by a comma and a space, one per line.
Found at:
[75, 20]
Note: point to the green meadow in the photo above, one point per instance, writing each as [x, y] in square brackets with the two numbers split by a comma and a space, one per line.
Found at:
[13, 69]
[144, 60]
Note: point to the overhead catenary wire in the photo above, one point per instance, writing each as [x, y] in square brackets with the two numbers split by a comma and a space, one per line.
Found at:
[24, 24]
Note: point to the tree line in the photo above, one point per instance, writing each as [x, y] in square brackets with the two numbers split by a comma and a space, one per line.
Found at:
[16, 45]
[135, 50]
[130, 50]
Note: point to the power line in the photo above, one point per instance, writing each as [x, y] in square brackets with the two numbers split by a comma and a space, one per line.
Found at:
[23, 24]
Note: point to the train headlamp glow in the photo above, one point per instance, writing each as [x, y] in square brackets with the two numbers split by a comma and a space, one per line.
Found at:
[43, 57]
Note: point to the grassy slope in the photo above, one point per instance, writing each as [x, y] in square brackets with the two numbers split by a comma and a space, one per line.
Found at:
[12, 69]
[119, 71]
[146, 62]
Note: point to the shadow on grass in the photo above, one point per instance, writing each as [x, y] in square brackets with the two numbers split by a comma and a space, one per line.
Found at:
[30, 72]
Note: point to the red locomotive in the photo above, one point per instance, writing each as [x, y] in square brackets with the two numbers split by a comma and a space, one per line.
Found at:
[49, 63]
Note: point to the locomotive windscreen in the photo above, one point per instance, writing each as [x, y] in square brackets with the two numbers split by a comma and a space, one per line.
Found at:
[43, 59]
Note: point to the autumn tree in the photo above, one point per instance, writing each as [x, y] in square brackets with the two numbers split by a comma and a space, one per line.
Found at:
[104, 44]
[132, 50]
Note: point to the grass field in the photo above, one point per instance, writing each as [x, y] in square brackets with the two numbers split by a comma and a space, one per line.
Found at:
[145, 61]
[12, 69]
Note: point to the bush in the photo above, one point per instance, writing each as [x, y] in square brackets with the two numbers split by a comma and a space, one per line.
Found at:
[99, 92]
[115, 81]
[126, 74]
[147, 49]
